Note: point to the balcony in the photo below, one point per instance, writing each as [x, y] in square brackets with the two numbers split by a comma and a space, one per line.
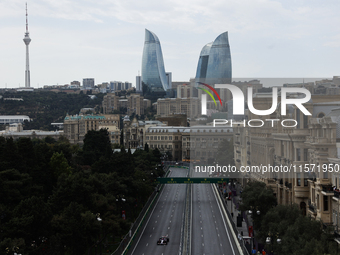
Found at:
[327, 188]
[312, 208]
[336, 194]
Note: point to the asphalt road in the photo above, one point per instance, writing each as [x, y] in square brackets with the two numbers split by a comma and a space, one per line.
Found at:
[165, 219]
[211, 234]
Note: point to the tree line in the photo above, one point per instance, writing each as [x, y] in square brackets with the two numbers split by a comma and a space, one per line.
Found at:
[46, 107]
[299, 234]
[58, 198]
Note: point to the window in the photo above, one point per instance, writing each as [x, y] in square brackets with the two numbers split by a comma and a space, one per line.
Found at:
[305, 121]
[170, 137]
[176, 137]
[325, 203]
[298, 118]
[298, 179]
[321, 114]
[298, 154]
[147, 138]
[305, 180]
[305, 154]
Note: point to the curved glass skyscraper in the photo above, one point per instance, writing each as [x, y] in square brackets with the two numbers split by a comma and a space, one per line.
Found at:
[202, 66]
[153, 73]
[214, 64]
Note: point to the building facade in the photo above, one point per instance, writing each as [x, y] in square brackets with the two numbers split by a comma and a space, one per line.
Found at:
[214, 64]
[154, 77]
[311, 143]
[77, 126]
[189, 106]
[134, 103]
[88, 83]
[134, 131]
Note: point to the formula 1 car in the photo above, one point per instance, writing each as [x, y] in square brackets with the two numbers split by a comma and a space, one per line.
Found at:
[163, 240]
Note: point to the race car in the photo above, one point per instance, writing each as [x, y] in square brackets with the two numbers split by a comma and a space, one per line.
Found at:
[163, 240]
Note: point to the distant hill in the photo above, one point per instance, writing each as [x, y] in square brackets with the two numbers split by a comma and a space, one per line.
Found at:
[46, 107]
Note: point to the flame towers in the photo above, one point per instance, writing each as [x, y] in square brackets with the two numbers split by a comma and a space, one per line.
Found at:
[214, 64]
[27, 41]
[154, 78]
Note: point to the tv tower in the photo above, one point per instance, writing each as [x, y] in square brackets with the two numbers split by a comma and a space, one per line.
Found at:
[27, 41]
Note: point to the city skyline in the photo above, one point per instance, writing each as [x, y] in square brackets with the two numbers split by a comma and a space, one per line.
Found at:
[74, 40]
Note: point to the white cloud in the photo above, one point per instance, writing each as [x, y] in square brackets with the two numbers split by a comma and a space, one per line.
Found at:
[106, 37]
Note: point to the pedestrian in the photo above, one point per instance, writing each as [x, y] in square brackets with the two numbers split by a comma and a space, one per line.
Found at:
[258, 253]
[263, 252]
[253, 251]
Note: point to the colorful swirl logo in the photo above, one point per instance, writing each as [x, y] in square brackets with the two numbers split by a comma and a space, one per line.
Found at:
[208, 92]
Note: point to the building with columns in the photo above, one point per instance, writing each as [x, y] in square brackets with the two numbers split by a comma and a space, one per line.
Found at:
[312, 143]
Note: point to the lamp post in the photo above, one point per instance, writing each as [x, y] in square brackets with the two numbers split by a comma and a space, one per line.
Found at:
[258, 212]
[99, 242]
[232, 196]
[270, 241]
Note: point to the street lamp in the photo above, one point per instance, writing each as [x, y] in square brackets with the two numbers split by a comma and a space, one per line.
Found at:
[258, 212]
[270, 241]
[232, 196]
[98, 217]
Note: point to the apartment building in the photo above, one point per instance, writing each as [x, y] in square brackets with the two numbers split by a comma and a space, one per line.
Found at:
[134, 103]
[134, 131]
[201, 143]
[76, 126]
[189, 106]
[312, 142]
[166, 139]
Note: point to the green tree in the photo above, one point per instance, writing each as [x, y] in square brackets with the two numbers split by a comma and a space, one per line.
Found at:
[96, 144]
[257, 196]
[59, 164]
[146, 147]
[76, 228]
[298, 234]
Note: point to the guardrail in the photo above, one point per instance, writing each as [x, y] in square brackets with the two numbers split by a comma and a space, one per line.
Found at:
[233, 225]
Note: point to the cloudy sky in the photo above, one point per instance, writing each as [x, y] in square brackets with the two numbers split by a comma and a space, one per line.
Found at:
[103, 39]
